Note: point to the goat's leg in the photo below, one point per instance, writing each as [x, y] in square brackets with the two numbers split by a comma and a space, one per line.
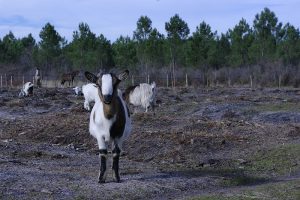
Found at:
[115, 166]
[102, 174]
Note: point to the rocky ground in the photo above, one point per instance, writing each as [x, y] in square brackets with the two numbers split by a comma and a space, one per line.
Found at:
[217, 143]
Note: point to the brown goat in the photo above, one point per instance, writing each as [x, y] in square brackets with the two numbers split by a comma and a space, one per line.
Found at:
[68, 77]
[37, 77]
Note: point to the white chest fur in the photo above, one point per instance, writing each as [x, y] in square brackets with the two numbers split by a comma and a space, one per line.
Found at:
[100, 125]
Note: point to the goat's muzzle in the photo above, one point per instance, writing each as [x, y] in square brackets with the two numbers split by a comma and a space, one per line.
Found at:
[107, 99]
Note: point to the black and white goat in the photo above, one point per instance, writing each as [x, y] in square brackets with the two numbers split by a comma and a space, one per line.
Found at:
[27, 90]
[109, 119]
[141, 95]
[90, 93]
[77, 90]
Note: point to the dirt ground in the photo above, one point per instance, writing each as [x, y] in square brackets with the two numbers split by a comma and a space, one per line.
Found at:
[217, 143]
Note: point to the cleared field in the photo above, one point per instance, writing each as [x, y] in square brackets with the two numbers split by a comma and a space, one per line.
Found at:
[215, 143]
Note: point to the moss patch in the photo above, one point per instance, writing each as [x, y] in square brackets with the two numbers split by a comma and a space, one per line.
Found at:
[277, 161]
[277, 107]
[283, 190]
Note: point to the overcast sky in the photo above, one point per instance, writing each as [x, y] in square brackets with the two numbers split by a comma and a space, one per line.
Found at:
[113, 18]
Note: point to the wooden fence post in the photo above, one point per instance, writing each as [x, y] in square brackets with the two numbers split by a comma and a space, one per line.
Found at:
[279, 81]
[251, 82]
[186, 80]
[1, 82]
[5, 80]
[148, 79]
[11, 81]
[167, 80]
[207, 82]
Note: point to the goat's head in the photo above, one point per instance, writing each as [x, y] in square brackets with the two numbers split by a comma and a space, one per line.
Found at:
[107, 84]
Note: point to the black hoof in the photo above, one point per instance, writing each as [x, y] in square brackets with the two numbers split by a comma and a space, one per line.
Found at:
[101, 181]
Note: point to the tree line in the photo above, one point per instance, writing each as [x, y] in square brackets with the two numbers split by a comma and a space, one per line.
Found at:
[243, 46]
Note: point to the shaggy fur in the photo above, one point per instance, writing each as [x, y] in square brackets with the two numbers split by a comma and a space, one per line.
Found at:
[90, 93]
[27, 90]
[141, 95]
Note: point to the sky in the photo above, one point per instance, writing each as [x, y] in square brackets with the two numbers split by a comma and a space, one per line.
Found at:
[114, 18]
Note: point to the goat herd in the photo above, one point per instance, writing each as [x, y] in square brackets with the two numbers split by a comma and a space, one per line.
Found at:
[110, 117]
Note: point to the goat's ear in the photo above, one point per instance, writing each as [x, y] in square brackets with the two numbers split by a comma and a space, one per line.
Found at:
[91, 77]
[123, 75]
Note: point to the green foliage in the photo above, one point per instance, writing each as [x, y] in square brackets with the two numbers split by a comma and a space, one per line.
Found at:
[266, 32]
[155, 49]
[202, 46]
[177, 32]
[104, 52]
[82, 50]
[11, 49]
[89, 52]
[141, 36]
[27, 58]
[177, 29]
[241, 38]
[267, 41]
[143, 30]
[124, 52]
[49, 47]
[289, 45]
[221, 52]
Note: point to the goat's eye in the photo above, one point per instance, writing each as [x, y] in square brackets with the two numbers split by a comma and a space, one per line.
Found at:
[115, 80]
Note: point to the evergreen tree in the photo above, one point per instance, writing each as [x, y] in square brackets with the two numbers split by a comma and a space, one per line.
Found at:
[155, 48]
[241, 38]
[219, 52]
[201, 42]
[49, 47]
[141, 36]
[82, 50]
[29, 47]
[266, 30]
[289, 46]
[104, 52]
[177, 31]
[11, 48]
[124, 52]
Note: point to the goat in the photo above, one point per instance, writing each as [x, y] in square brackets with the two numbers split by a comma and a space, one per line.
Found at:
[90, 93]
[109, 119]
[141, 95]
[77, 90]
[27, 90]
[37, 77]
[68, 77]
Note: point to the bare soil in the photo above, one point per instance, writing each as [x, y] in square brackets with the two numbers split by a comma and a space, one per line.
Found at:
[217, 142]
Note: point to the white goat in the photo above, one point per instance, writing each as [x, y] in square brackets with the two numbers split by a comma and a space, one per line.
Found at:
[90, 93]
[77, 90]
[141, 95]
[109, 119]
[27, 90]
